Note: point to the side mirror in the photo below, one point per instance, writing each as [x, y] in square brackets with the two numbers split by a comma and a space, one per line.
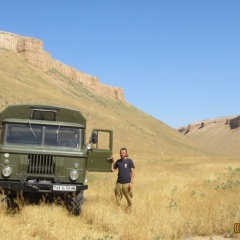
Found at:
[94, 138]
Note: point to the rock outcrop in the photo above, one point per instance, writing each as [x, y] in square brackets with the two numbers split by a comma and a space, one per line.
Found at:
[31, 49]
[233, 122]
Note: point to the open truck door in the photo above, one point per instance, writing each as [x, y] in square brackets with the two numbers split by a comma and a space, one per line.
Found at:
[100, 151]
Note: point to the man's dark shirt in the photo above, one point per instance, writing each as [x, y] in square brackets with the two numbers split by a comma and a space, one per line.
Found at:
[124, 170]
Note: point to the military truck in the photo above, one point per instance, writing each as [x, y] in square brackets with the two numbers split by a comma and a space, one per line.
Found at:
[43, 151]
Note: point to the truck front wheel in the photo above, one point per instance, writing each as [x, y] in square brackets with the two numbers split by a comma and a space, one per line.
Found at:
[74, 203]
[12, 201]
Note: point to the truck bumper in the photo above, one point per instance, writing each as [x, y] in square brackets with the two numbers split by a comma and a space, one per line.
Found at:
[24, 186]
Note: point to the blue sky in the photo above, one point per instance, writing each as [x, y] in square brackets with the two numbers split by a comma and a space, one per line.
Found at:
[177, 60]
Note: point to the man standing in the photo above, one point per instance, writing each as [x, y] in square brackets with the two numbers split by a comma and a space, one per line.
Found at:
[125, 178]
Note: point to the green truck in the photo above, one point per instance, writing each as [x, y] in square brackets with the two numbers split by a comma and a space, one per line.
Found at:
[44, 152]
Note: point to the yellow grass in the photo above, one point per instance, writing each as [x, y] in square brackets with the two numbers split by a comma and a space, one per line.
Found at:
[173, 199]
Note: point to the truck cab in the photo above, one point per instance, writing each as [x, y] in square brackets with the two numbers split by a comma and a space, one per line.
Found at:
[43, 150]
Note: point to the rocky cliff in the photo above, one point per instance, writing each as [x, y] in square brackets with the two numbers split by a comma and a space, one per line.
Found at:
[219, 136]
[232, 122]
[31, 49]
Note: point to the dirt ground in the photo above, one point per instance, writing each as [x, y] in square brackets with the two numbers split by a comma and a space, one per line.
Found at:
[222, 237]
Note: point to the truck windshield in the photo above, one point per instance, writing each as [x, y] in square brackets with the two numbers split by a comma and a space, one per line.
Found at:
[32, 134]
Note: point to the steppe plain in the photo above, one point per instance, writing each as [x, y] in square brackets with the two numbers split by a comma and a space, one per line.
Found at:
[181, 190]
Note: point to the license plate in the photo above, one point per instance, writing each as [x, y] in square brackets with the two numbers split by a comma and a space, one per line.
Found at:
[64, 188]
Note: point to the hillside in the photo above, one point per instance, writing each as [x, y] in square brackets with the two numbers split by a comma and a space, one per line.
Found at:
[21, 82]
[219, 135]
[181, 191]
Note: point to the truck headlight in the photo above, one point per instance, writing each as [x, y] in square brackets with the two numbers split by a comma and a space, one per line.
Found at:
[74, 175]
[7, 171]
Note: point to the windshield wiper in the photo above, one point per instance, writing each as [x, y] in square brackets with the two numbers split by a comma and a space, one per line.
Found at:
[58, 131]
[32, 130]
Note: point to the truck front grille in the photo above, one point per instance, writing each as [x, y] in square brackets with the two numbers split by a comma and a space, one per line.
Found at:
[41, 164]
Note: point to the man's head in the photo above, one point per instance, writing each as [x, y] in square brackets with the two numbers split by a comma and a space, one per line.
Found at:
[123, 153]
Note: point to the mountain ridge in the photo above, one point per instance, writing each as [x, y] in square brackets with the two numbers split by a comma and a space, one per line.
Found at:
[218, 135]
[31, 49]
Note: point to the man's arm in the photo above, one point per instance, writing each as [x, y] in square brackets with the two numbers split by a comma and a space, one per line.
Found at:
[132, 174]
[132, 177]
[112, 167]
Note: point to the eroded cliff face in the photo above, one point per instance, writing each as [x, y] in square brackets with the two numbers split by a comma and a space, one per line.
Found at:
[31, 49]
[232, 122]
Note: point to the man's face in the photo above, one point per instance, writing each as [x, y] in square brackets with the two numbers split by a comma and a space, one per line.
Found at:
[123, 154]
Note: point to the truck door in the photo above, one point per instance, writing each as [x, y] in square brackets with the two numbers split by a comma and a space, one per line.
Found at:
[101, 151]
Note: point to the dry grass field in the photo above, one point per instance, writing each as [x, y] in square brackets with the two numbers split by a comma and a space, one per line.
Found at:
[180, 190]
[174, 198]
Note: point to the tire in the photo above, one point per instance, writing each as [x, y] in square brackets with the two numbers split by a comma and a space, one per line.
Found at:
[74, 203]
[11, 202]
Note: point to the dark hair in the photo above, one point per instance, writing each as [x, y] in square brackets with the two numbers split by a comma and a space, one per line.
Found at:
[123, 148]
